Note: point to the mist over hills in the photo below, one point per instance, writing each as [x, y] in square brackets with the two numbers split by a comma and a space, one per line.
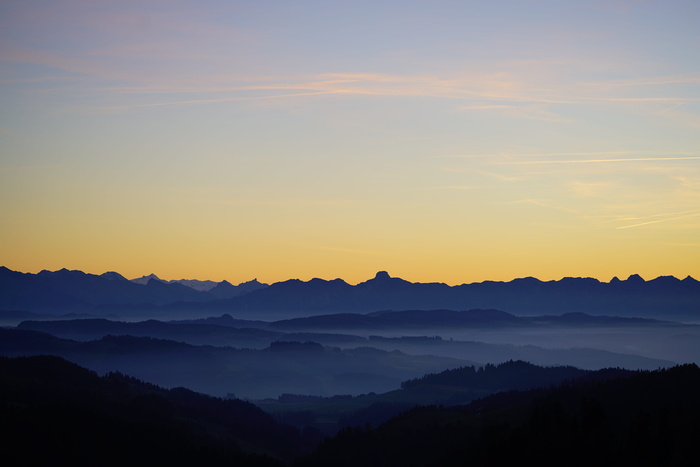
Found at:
[64, 291]
[278, 367]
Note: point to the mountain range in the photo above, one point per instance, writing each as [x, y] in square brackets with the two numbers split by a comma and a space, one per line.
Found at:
[77, 291]
[64, 291]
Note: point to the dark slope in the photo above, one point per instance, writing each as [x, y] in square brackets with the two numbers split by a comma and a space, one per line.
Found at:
[649, 418]
[54, 412]
[449, 387]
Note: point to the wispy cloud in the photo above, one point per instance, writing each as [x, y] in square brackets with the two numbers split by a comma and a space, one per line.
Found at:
[530, 112]
[27, 167]
[454, 187]
[667, 219]
[591, 161]
[498, 176]
[505, 92]
[545, 204]
[574, 154]
[215, 100]
[685, 78]
[596, 157]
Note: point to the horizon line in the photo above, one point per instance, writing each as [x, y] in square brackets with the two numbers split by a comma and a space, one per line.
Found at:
[613, 279]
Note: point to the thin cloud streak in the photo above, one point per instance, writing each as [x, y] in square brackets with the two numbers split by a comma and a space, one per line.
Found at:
[545, 205]
[217, 101]
[590, 161]
[28, 167]
[593, 153]
[491, 87]
[657, 221]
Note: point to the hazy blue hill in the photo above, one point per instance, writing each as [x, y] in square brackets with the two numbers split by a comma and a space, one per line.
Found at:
[333, 321]
[447, 318]
[579, 319]
[225, 320]
[200, 334]
[440, 319]
[409, 319]
[14, 317]
[55, 412]
[221, 370]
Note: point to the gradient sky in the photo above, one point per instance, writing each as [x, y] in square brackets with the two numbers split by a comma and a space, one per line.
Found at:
[442, 141]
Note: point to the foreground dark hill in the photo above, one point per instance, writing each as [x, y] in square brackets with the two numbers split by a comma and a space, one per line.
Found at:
[666, 298]
[450, 387]
[647, 419]
[53, 412]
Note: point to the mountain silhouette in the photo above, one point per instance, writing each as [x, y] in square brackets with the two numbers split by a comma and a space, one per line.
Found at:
[145, 279]
[75, 291]
[665, 297]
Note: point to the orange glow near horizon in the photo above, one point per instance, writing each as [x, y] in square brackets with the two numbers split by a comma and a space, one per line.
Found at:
[224, 141]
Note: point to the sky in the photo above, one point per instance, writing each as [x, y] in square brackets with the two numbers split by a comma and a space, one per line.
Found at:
[441, 141]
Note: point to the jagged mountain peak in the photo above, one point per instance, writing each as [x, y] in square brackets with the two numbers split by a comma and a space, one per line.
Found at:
[144, 279]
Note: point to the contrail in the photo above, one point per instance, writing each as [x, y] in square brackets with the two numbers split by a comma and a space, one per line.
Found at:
[657, 221]
[591, 161]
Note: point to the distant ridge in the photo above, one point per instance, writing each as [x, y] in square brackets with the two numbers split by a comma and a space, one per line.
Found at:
[665, 297]
[146, 279]
[66, 291]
